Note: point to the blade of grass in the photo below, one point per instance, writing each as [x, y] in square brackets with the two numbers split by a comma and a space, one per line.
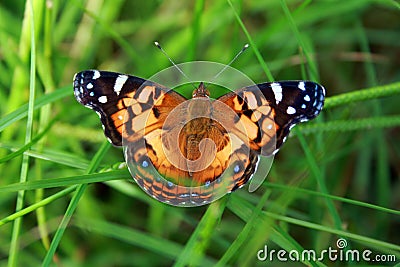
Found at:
[363, 94]
[66, 181]
[56, 157]
[342, 199]
[13, 252]
[263, 229]
[37, 205]
[135, 237]
[252, 44]
[22, 111]
[244, 234]
[350, 125]
[46, 72]
[315, 170]
[107, 27]
[382, 170]
[27, 146]
[73, 204]
[396, 4]
[311, 63]
[194, 250]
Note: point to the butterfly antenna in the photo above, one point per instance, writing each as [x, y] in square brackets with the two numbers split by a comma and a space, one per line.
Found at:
[230, 63]
[173, 63]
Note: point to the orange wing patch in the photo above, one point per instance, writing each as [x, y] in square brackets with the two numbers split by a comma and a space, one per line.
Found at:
[254, 122]
[147, 110]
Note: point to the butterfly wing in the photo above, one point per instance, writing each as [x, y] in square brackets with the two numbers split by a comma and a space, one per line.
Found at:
[268, 111]
[124, 103]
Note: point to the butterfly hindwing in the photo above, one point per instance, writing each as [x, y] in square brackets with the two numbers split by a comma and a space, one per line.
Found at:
[161, 179]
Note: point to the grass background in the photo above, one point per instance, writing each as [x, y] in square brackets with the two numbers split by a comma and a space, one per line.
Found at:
[63, 200]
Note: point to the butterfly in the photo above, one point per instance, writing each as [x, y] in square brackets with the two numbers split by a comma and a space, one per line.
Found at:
[189, 152]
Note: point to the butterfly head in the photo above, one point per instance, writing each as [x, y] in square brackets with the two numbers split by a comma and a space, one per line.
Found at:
[201, 91]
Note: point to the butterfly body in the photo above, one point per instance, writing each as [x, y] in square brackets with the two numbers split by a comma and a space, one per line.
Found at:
[191, 151]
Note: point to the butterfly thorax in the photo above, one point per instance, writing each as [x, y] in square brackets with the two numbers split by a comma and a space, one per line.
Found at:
[201, 91]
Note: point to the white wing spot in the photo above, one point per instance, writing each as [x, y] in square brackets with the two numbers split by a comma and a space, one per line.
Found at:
[89, 86]
[290, 110]
[103, 99]
[303, 106]
[96, 74]
[302, 86]
[91, 93]
[119, 83]
[307, 98]
[277, 89]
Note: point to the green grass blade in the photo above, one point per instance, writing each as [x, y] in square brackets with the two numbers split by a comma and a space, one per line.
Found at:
[66, 181]
[342, 126]
[315, 170]
[22, 111]
[37, 205]
[362, 95]
[194, 250]
[310, 62]
[252, 43]
[341, 199]
[73, 204]
[27, 146]
[13, 252]
[244, 234]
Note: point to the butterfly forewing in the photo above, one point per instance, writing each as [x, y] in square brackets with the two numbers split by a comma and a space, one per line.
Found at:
[148, 109]
[108, 94]
[268, 111]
